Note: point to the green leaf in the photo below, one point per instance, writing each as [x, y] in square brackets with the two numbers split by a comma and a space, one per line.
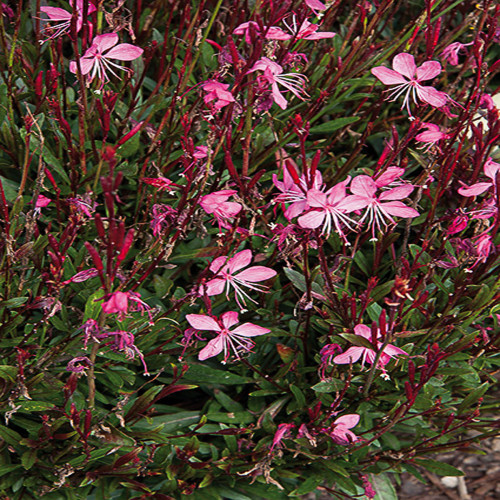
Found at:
[9, 436]
[310, 484]
[296, 278]
[439, 468]
[472, 397]
[29, 406]
[239, 417]
[130, 147]
[383, 487]
[330, 385]
[333, 125]
[335, 467]
[8, 372]
[299, 396]
[176, 421]
[54, 164]
[204, 374]
[28, 459]
[93, 306]
[229, 404]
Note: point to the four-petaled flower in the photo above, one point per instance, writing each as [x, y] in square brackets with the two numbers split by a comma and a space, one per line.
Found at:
[227, 340]
[328, 209]
[225, 270]
[450, 53]
[273, 74]
[63, 17]
[97, 58]
[366, 354]
[216, 203]
[379, 209]
[340, 431]
[407, 78]
[217, 92]
[431, 135]
[491, 170]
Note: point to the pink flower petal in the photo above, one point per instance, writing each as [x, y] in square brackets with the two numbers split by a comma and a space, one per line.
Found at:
[256, 273]
[203, 322]
[475, 189]
[432, 96]
[428, 70]
[250, 330]
[348, 421]
[397, 193]
[311, 220]
[56, 14]
[217, 264]
[350, 356]
[215, 286]
[363, 331]
[316, 198]
[213, 348]
[388, 176]
[353, 202]
[239, 261]
[405, 65]
[388, 76]
[229, 319]
[124, 52]
[106, 41]
[399, 209]
[364, 185]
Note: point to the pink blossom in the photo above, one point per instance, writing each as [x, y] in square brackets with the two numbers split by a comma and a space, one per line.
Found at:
[306, 31]
[79, 364]
[458, 224]
[271, 33]
[431, 135]
[354, 353]
[83, 204]
[379, 209]
[315, 5]
[273, 75]
[491, 170]
[63, 17]
[97, 58]
[42, 201]
[226, 340]
[328, 210]
[340, 431]
[281, 433]
[407, 78]
[450, 53]
[162, 216]
[225, 270]
[293, 192]
[216, 203]
[118, 302]
[217, 92]
[124, 341]
[162, 183]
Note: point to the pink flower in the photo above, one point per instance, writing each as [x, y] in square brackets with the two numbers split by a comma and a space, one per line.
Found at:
[329, 210]
[354, 353]
[42, 201]
[237, 339]
[281, 433]
[79, 364]
[491, 170]
[340, 431]
[124, 341]
[64, 18]
[315, 5]
[295, 191]
[217, 92]
[216, 203]
[118, 302]
[226, 278]
[273, 74]
[97, 58]
[379, 209]
[162, 183]
[306, 31]
[406, 78]
[162, 216]
[432, 135]
[450, 53]
[272, 33]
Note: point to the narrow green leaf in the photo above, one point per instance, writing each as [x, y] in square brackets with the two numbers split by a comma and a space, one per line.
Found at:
[330, 385]
[472, 397]
[333, 125]
[439, 468]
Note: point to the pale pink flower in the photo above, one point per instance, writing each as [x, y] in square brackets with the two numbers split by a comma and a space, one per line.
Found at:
[295, 191]
[97, 58]
[273, 74]
[491, 169]
[483, 246]
[407, 78]
[217, 92]
[227, 340]
[251, 26]
[118, 302]
[42, 201]
[225, 270]
[216, 203]
[379, 209]
[329, 210]
[432, 135]
[63, 17]
[450, 53]
[354, 353]
[340, 430]
[306, 31]
[315, 5]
